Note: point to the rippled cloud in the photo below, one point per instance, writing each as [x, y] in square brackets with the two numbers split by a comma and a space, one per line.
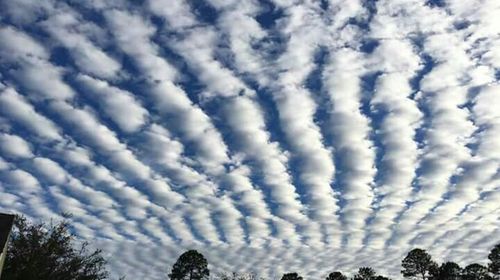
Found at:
[272, 136]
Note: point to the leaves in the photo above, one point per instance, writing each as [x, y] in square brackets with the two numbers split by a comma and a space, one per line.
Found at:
[365, 273]
[291, 276]
[190, 266]
[475, 271]
[418, 264]
[494, 257]
[336, 275]
[49, 252]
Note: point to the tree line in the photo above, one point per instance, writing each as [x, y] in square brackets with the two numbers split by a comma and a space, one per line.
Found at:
[41, 251]
[417, 265]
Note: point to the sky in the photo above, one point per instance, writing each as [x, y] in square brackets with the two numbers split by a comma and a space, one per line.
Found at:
[270, 135]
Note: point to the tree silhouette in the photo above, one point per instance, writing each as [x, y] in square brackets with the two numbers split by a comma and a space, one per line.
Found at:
[365, 273]
[494, 265]
[48, 252]
[475, 271]
[336, 275]
[418, 264]
[291, 276]
[191, 265]
[380, 277]
[447, 271]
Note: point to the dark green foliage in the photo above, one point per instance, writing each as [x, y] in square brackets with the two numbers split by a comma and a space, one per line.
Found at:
[380, 277]
[49, 252]
[475, 271]
[494, 265]
[447, 271]
[336, 275]
[365, 273]
[418, 264]
[190, 266]
[291, 276]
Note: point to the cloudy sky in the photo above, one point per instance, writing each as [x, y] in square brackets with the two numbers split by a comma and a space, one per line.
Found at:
[271, 135]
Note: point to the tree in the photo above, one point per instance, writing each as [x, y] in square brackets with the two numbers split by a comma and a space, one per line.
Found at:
[494, 265]
[380, 277]
[191, 265]
[475, 271]
[418, 264]
[336, 275]
[365, 273]
[49, 252]
[447, 271]
[291, 276]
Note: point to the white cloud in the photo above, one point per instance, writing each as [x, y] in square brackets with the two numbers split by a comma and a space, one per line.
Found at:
[35, 71]
[15, 147]
[350, 131]
[88, 57]
[305, 136]
[3, 164]
[177, 13]
[19, 109]
[247, 123]
[169, 99]
[401, 118]
[119, 104]
[50, 170]
[26, 11]
[16, 46]
[296, 115]
[133, 32]
[197, 48]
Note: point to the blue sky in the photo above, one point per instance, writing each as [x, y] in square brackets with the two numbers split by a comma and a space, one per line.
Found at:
[272, 136]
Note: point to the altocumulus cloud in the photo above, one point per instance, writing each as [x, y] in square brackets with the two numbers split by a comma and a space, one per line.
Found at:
[271, 135]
